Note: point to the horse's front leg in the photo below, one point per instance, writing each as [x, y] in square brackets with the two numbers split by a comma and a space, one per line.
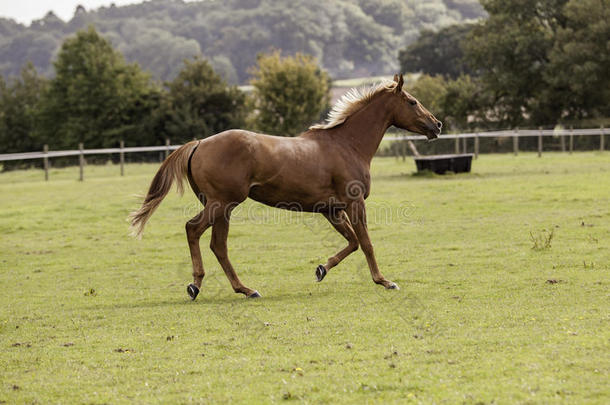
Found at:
[340, 222]
[357, 215]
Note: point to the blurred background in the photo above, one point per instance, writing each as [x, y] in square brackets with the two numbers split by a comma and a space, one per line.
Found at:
[100, 73]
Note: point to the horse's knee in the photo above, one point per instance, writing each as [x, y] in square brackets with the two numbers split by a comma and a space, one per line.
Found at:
[353, 246]
[367, 247]
[190, 229]
[219, 249]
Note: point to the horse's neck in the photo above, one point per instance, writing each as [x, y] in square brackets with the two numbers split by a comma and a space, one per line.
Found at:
[364, 129]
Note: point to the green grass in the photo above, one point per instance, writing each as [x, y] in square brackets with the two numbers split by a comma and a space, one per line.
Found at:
[89, 315]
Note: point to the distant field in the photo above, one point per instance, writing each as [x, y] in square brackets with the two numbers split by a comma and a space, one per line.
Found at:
[89, 315]
[367, 81]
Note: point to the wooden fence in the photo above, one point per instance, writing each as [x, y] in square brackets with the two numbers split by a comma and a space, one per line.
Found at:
[81, 152]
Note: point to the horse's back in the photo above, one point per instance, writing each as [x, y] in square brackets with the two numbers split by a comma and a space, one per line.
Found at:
[235, 164]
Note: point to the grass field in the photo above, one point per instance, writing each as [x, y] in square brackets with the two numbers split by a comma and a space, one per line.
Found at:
[89, 315]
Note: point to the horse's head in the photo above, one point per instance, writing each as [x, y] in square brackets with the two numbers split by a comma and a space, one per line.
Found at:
[409, 114]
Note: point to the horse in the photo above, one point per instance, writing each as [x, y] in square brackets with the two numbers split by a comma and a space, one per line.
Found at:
[324, 170]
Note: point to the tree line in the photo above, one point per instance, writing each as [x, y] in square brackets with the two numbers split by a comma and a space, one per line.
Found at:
[530, 63]
[97, 98]
[349, 38]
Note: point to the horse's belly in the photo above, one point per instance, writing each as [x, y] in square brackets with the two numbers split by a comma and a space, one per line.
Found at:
[309, 198]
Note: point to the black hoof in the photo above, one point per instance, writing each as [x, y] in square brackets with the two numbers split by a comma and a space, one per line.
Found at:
[320, 273]
[393, 286]
[192, 290]
[255, 294]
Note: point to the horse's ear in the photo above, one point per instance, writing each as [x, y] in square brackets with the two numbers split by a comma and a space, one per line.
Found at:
[400, 81]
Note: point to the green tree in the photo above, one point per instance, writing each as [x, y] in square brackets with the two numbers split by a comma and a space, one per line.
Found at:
[511, 51]
[461, 105]
[200, 103]
[455, 102]
[289, 93]
[19, 99]
[96, 97]
[437, 53]
[430, 91]
[579, 63]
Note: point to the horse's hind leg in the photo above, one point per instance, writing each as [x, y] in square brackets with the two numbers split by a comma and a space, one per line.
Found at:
[194, 229]
[218, 244]
[341, 223]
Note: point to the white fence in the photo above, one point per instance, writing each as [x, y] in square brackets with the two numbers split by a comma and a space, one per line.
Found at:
[167, 148]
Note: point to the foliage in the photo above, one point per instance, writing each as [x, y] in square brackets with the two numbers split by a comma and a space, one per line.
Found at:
[88, 314]
[457, 102]
[19, 100]
[199, 103]
[430, 91]
[437, 53]
[579, 62]
[543, 239]
[289, 93]
[95, 97]
[510, 49]
[530, 63]
[350, 38]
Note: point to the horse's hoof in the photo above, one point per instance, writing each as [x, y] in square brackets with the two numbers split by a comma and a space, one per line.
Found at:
[192, 291]
[255, 294]
[320, 273]
[393, 286]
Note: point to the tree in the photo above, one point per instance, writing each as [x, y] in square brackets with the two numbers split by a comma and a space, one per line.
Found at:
[437, 53]
[96, 97]
[200, 103]
[349, 38]
[461, 105]
[430, 91]
[289, 93]
[19, 99]
[511, 51]
[579, 62]
[455, 102]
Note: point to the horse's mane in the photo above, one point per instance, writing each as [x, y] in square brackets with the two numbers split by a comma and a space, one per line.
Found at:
[352, 101]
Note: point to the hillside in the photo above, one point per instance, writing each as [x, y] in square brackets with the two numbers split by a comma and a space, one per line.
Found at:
[350, 38]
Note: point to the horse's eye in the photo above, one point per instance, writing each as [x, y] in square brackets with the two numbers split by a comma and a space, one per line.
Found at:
[413, 102]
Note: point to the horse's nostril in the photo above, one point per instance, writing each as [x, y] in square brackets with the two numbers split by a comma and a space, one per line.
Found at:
[439, 124]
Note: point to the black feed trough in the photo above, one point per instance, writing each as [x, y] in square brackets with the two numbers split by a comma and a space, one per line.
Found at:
[441, 164]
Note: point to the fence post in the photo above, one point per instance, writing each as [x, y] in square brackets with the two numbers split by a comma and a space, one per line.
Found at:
[476, 145]
[457, 145]
[167, 149]
[122, 157]
[464, 145]
[571, 139]
[540, 142]
[516, 142]
[601, 138]
[45, 162]
[81, 160]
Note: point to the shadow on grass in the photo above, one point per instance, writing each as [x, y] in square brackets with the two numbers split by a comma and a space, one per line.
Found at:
[216, 299]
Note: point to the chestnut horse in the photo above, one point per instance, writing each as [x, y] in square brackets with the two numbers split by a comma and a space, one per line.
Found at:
[323, 170]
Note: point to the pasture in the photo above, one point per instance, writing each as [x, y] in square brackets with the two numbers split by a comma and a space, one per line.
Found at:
[492, 308]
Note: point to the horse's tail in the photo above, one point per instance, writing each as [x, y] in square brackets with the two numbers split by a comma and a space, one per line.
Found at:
[174, 168]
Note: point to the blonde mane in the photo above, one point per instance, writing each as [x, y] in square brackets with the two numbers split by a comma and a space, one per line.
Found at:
[352, 101]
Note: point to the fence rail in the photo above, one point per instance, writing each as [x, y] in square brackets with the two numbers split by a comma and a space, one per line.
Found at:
[514, 134]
